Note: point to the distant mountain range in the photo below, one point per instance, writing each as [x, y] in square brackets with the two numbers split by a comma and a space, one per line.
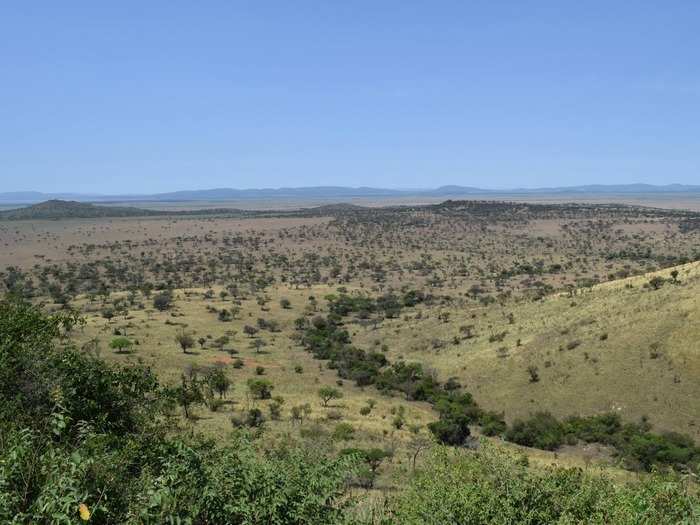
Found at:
[341, 192]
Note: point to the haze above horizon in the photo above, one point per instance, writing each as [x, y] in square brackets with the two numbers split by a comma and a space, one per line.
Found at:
[157, 97]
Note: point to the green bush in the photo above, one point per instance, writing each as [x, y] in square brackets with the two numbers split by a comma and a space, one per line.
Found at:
[492, 424]
[645, 450]
[594, 429]
[120, 344]
[634, 443]
[260, 388]
[452, 431]
[542, 431]
[371, 459]
[162, 301]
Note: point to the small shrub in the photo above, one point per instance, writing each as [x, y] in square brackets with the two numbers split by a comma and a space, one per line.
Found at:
[260, 388]
[255, 418]
[334, 415]
[343, 432]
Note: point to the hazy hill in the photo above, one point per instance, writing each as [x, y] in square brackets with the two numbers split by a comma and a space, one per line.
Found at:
[59, 209]
[342, 192]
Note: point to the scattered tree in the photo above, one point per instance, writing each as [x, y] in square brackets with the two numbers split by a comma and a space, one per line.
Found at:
[185, 340]
[120, 344]
[328, 393]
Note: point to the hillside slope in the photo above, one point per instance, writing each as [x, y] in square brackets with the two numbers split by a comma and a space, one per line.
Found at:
[623, 346]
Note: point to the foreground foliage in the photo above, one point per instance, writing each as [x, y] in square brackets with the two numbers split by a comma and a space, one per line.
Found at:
[461, 487]
[82, 441]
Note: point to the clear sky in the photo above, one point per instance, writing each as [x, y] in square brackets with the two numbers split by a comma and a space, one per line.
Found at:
[148, 96]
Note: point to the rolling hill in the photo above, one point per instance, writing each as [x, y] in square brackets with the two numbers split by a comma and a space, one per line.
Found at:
[622, 346]
[59, 209]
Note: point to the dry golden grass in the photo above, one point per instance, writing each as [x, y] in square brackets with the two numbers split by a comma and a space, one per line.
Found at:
[157, 348]
[619, 347]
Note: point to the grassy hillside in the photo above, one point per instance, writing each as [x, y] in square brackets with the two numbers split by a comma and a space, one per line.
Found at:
[622, 346]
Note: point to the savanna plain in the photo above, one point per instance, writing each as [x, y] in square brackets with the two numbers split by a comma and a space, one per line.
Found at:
[453, 362]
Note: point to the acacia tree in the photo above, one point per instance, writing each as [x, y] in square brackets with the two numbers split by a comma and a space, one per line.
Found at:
[250, 331]
[162, 301]
[258, 345]
[120, 344]
[187, 394]
[218, 382]
[372, 459]
[185, 340]
[419, 442]
[327, 393]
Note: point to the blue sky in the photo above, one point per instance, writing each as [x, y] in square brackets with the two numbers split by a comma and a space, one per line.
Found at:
[154, 96]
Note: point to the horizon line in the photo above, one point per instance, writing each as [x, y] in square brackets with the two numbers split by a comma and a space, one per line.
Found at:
[377, 188]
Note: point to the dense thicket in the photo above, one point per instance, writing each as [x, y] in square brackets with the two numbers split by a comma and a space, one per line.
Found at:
[635, 444]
